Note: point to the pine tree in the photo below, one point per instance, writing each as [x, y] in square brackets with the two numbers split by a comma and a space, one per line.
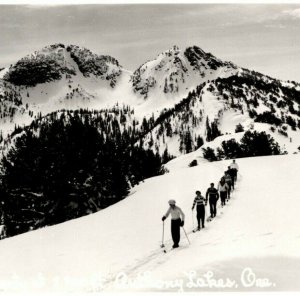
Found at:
[239, 128]
[188, 142]
[209, 154]
[166, 89]
[199, 142]
[214, 131]
[208, 131]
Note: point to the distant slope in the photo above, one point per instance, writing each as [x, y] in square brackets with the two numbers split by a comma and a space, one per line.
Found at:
[220, 105]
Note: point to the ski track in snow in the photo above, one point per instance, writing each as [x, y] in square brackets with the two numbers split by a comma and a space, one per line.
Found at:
[158, 257]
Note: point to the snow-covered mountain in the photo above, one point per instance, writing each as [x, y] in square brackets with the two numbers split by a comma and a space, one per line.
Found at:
[174, 71]
[59, 76]
[185, 93]
[216, 107]
[64, 77]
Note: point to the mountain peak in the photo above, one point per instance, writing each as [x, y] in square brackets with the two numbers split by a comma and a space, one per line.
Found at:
[53, 61]
[196, 49]
[174, 48]
[55, 46]
[176, 71]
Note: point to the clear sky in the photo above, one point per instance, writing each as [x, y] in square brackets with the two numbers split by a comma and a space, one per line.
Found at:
[264, 38]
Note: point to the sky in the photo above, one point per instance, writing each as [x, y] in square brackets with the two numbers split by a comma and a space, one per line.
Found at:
[261, 37]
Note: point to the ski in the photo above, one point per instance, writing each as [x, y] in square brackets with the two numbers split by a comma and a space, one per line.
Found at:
[195, 230]
[169, 250]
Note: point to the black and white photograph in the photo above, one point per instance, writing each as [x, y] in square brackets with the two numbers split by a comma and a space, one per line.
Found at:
[149, 147]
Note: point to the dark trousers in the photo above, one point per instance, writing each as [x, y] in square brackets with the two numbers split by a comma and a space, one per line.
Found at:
[233, 180]
[229, 189]
[213, 207]
[201, 215]
[223, 195]
[175, 231]
[234, 174]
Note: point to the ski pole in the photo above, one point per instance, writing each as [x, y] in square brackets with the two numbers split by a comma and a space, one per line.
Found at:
[186, 235]
[163, 233]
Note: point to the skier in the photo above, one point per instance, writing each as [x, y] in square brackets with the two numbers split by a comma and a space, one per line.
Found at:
[201, 202]
[213, 195]
[228, 181]
[231, 173]
[176, 222]
[234, 166]
[223, 188]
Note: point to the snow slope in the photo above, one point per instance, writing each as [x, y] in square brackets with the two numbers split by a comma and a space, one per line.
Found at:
[258, 229]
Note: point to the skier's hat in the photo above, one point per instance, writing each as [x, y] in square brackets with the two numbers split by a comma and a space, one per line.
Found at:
[172, 202]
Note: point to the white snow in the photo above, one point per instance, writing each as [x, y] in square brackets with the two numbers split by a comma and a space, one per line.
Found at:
[3, 72]
[231, 118]
[258, 229]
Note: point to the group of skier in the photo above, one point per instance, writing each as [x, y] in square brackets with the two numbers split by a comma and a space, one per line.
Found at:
[223, 191]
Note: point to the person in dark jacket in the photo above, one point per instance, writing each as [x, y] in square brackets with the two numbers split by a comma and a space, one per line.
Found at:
[231, 173]
[228, 181]
[212, 195]
[176, 222]
[200, 202]
[234, 167]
